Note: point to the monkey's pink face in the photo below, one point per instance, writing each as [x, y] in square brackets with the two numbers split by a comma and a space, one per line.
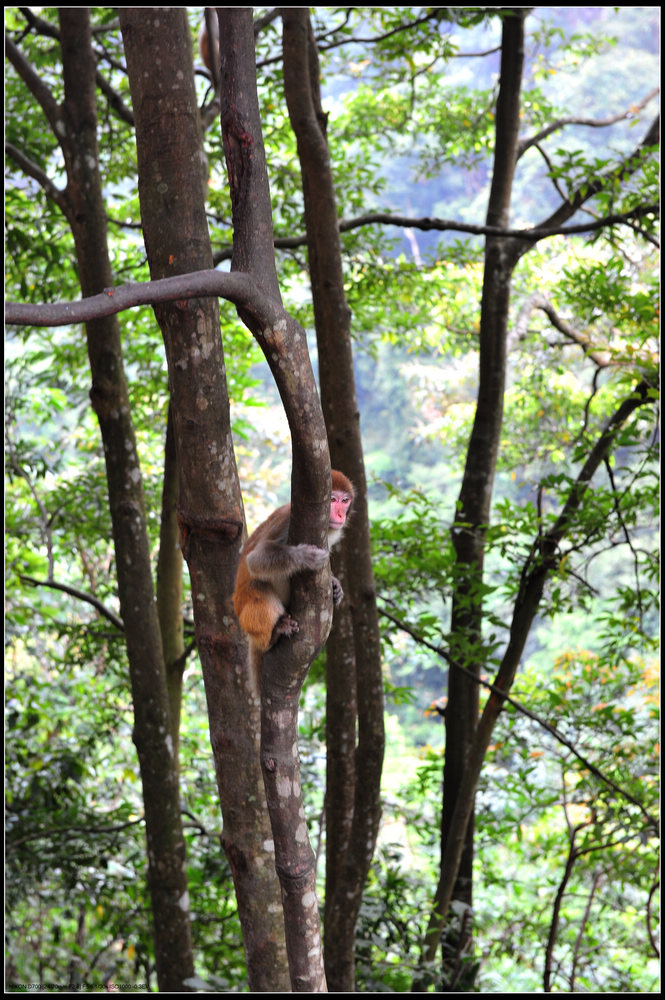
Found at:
[339, 508]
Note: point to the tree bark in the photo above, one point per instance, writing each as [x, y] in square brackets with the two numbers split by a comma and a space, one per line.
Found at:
[171, 190]
[75, 125]
[353, 656]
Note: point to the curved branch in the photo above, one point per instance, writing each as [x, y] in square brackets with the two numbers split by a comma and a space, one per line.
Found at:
[578, 198]
[554, 922]
[538, 301]
[451, 225]
[649, 918]
[80, 595]
[237, 287]
[36, 86]
[43, 27]
[616, 503]
[60, 832]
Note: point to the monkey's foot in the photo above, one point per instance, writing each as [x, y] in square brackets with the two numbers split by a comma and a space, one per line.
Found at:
[337, 592]
[286, 625]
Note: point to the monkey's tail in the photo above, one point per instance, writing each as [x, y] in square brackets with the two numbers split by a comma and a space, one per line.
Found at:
[255, 663]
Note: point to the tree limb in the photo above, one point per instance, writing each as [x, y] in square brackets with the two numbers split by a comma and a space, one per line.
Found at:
[80, 595]
[586, 122]
[432, 224]
[33, 81]
[534, 575]
[237, 287]
[62, 832]
[583, 194]
[31, 169]
[538, 301]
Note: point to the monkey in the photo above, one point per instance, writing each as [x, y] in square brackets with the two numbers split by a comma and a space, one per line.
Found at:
[267, 563]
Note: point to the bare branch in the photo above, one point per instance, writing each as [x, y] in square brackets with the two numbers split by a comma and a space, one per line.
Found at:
[60, 832]
[560, 123]
[236, 287]
[429, 224]
[533, 235]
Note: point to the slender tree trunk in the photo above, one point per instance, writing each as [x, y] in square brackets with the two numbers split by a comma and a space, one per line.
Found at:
[354, 678]
[169, 585]
[478, 482]
[466, 739]
[166, 844]
[167, 164]
[75, 125]
[171, 189]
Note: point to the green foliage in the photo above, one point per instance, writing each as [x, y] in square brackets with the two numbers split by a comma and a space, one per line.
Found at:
[388, 938]
[539, 805]
[76, 893]
[75, 858]
[552, 810]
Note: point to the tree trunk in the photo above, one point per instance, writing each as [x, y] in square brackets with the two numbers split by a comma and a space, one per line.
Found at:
[478, 482]
[169, 585]
[171, 190]
[75, 125]
[467, 739]
[284, 344]
[354, 678]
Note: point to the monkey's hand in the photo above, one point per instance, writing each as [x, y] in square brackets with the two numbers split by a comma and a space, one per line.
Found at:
[337, 591]
[309, 557]
[274, 561]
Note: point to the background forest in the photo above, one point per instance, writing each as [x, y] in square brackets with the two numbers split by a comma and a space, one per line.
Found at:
[496, 186]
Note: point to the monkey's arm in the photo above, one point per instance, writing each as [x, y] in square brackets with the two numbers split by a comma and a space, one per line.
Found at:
[273, 560]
